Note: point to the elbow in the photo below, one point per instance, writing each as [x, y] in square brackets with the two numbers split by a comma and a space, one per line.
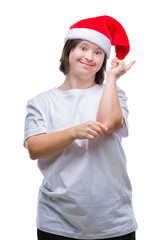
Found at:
[33, 157]
[31, 149]
[113, 121]
[113, 126]
[33, 154]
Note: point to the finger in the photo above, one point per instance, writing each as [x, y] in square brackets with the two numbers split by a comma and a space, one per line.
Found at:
[130, 64]
[114, 60]
[124, 66]
[114, 63]
[102, 126]
[90, 137]
[94, 129]
[113, 66]
[120, 63]
[93, 133]
[99, 131]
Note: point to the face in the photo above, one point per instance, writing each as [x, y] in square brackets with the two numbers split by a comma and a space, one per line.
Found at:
[86, 59]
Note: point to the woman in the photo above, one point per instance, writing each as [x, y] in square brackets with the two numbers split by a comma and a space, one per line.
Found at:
[75, 131]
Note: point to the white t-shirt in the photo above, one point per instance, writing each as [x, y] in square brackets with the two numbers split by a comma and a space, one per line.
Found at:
[86, 192]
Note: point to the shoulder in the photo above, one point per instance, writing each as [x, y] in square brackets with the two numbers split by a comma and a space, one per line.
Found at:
[41, 100]
[43, 96]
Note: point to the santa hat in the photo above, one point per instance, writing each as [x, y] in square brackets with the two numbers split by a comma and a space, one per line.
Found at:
[103, 31]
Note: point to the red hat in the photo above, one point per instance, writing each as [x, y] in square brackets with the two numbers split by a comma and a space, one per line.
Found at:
[103, 31]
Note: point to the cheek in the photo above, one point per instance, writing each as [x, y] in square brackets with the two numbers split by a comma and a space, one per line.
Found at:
[75, 54]
[73, 58]
[73, 61]
[100, 63]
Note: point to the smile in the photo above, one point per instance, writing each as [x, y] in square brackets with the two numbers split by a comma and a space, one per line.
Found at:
[87, 64]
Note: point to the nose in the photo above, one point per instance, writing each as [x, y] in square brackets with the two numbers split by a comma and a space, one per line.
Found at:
[89, 55]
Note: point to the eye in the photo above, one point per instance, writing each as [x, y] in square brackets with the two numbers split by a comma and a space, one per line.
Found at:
[98, 52]
[83, 48]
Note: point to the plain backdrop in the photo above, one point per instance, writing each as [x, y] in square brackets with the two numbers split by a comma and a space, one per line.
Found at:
[31, 40]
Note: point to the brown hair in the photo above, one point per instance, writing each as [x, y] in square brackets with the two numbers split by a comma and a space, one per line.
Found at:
[64, 60]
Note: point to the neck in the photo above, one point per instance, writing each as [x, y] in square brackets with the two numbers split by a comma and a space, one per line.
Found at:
[75, 82]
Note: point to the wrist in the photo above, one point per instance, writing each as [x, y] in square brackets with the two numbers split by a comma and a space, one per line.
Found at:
[111, 77]
[73, 133]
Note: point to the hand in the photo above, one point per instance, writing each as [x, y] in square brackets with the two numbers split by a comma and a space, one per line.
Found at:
[119, 68]
[89, 130]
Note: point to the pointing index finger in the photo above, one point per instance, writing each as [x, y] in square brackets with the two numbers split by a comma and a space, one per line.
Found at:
[130, 64]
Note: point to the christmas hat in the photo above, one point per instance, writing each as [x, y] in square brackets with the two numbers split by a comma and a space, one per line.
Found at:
[103, 31]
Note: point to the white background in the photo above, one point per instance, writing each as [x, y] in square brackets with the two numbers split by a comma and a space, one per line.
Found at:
[32, 34]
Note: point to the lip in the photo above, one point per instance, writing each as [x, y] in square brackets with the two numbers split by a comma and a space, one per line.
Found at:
[87, 64]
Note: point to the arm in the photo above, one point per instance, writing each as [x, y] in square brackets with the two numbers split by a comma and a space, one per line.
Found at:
[49, 144]
[110, 112]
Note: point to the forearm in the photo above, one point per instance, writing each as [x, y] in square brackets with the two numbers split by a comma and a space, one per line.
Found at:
[46, 145]
[109, 111]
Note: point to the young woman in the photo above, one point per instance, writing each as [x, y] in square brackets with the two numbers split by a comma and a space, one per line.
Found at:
[75, 132]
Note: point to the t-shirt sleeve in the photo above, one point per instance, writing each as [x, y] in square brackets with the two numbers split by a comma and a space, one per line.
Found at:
[34, 121]
[124, 131]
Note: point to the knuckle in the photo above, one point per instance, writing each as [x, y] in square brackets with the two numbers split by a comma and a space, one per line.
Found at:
[90, 122]
[86, 135]
[95, 134]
